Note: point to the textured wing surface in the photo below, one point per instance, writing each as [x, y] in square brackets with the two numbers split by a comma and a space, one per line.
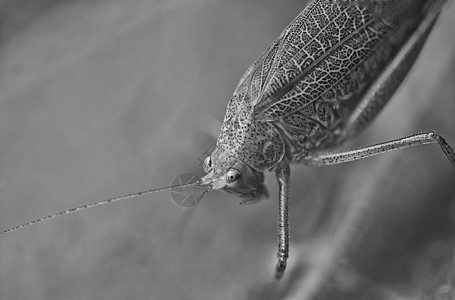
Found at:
[317, 59]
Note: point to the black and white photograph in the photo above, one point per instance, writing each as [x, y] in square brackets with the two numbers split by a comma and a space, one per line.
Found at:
[227, 149]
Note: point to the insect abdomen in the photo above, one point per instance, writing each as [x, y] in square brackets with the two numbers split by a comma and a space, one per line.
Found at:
[329, 56]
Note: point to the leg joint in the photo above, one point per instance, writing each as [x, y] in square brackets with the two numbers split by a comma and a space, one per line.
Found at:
[282, 254]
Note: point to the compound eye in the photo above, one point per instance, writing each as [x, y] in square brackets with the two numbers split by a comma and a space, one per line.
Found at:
[232, 176]
[207, 164]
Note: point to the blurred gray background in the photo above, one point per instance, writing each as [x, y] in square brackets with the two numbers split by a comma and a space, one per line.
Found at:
[103, 98]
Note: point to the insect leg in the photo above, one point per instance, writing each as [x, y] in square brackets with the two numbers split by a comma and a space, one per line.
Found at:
[283, 175]
[423, 138]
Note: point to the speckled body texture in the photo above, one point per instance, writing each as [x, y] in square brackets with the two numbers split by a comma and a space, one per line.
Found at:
[298, 96]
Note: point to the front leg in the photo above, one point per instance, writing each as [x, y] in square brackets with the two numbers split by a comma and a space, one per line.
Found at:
[283, 175]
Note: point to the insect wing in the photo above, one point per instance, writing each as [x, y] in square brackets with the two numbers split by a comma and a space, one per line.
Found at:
[318, 59]
[259, 73]
[326, 58]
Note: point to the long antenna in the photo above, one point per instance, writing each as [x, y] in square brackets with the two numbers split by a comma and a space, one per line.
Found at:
[86, 206]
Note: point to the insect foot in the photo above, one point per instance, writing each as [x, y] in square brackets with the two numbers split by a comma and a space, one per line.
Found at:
[280, 266]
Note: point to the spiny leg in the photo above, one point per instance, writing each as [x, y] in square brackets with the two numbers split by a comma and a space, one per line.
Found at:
[283, 175]
[429, 137]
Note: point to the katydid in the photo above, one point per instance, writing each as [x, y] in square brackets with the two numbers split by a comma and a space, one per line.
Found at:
[321, 82]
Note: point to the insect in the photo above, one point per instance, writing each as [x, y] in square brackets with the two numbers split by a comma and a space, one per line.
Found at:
[324, 79]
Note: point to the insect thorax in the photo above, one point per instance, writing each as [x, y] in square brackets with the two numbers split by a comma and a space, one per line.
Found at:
[258, 144]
